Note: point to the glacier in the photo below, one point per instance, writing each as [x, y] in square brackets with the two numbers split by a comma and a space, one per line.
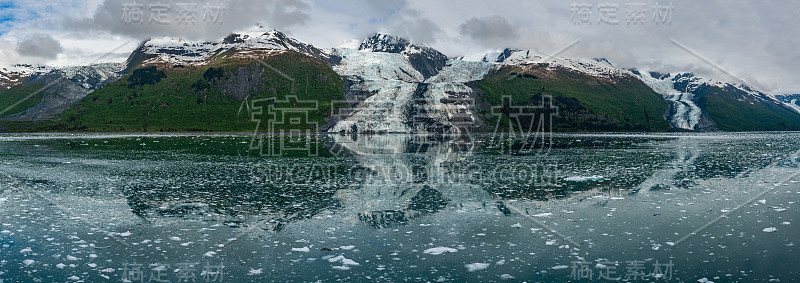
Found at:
[401, 99]
[685, 112]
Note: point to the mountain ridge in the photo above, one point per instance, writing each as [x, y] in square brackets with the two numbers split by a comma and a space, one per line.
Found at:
[430, 91]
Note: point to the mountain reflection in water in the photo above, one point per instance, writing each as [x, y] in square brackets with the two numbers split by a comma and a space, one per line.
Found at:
[388, 180]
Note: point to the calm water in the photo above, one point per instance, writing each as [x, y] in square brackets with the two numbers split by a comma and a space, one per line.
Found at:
[238, 208]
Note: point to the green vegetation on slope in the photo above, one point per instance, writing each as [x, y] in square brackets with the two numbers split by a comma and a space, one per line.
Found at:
[211, 98]
[18, 94]
[584, 103]
[734, 110]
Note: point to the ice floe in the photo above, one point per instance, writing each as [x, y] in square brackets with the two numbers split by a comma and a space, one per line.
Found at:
[472, 267]
[439, 250]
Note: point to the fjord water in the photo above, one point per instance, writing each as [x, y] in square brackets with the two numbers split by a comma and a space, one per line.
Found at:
[672, 207]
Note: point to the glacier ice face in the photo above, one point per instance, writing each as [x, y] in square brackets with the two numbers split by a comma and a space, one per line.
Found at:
[402, 100]
[375, 66]
[685, 113]
[448, 100]
[383, 112]
[391, 79]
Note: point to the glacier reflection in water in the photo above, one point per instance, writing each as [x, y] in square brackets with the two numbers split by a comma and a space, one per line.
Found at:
[389, 202]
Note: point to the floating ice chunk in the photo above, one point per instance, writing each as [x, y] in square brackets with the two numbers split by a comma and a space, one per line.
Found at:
[617, 198]
[341, 267]
[125, 234]
[175, 238]
[780, 209]
[74, 278]
[671, 243]
[26, 250]
[472, 267]
[347, 247]
[770, 229]
[61, 266]
[763, 201]
[593, 178]
[28, 262]
[516, 225]
[349, 262]
[507, 277]
[209, 254]
[72, 258]
[344, 260]
[704, 280]
[546, 214]
[785, 223]
[550, 242]
[439, 250]
[303, 249]
[255, 271]
[557, 267]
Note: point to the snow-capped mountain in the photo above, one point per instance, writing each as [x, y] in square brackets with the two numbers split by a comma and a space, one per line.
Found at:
[16, 74]
[255, 41]
[791, 100]
[426, 60]
[402, 97]
[392, 85]
[682, 89]
[70, 84]
[679, 89]
[596, 67]
[66, 85]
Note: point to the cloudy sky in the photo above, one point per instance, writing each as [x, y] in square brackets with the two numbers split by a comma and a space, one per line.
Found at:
[729, 40]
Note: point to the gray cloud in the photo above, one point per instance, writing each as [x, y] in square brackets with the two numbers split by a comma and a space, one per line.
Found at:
[206, 20]
[412, 25]
[395, 17]
[492, 31]
[752, 40]
[40, 46]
